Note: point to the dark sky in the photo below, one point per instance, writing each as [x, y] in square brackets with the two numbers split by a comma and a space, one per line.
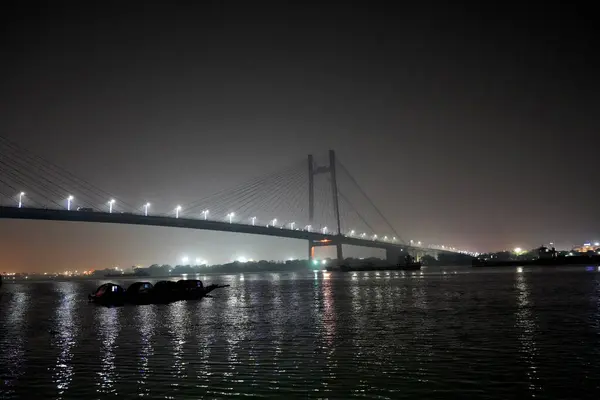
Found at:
[471, 125]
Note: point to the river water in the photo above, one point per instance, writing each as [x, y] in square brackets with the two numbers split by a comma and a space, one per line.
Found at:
[443, 333]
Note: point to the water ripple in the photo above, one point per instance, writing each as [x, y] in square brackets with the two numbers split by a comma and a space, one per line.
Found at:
[443, 334]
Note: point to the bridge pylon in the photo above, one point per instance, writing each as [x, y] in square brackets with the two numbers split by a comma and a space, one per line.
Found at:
[316, 170]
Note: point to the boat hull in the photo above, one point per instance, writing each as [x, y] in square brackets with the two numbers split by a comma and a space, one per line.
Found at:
[142, 293]
[402, 267]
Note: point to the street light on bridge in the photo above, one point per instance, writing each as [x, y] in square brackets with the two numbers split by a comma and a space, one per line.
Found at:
[21, 199]
[292, 225]
[363, 235]
[110, 205]
[205, 213]
[308, 228]
[253, 221]
[146, 206]
[324, 230]
[351, 233]
[69, 200]
[273, 222]
[177, 209]
[394, 239]
[230, 216]
[385, 238]
[374, 237]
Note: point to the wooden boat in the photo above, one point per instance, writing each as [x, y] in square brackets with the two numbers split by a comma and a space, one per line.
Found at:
[163, 292]
[139, 293]
[108, 294]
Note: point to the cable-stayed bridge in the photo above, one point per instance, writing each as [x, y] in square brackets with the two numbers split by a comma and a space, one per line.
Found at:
[315, 199]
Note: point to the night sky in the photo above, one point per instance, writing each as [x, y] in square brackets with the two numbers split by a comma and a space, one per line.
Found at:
[473, 126]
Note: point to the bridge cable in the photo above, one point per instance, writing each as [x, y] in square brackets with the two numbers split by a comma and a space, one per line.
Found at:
[368, 198]
[61, 171]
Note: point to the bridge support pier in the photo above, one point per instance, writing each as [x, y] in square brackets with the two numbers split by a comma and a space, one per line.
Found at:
[331, 170]
[325, 243]
[339, 254]
[311, 251]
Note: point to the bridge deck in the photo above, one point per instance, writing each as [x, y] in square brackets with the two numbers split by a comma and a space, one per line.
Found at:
[135, 219]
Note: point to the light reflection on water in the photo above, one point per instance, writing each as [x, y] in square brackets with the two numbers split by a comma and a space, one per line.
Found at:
[12, 339]
[145, 320]
[177, 329]
[525, 321]
[65, 337]
[108, 335]
[491, 335]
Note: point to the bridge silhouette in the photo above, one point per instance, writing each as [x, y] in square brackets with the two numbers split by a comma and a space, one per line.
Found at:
[316, 200]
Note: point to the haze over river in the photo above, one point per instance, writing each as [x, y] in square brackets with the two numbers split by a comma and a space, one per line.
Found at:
[443, 333]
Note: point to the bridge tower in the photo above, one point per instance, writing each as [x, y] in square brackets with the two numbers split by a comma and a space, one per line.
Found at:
[316, 170]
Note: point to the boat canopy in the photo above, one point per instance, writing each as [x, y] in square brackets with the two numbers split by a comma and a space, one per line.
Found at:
[139, 287]
[108, 288]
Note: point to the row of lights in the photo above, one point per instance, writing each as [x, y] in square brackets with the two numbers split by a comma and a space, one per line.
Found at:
[204, 213]
[230, 216]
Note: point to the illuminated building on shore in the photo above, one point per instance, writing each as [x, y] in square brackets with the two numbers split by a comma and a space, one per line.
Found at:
[595, 247]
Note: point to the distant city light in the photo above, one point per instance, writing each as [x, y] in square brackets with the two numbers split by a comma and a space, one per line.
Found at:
[21, 199]
[324, 262]
[185, 260]
[518, 250]
[596, 243]
[177, 209]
